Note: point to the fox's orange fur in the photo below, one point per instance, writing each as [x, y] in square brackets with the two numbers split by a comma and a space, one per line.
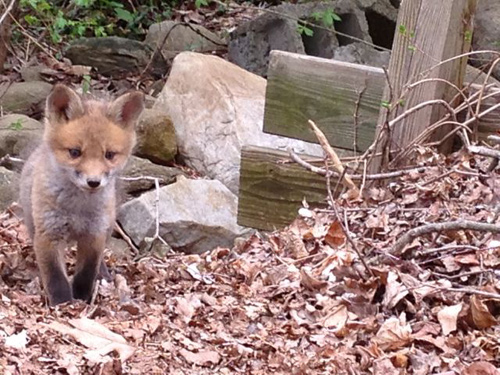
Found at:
[68, 185]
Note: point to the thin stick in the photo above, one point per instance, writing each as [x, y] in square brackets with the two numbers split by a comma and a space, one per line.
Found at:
[358, 177]
[7, 11]
[157, 204]
[471, 291]
[126, 238]
[332, 155]
[440, 227]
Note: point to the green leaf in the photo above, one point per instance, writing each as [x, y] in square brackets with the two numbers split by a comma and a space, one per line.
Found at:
[317, 15]
[60, 22]
[327, 19]
[31, 20]
[200, 3]
[468, 35]
[83, 3]
[402, 29]
[336, 17]
[16, 125]
[385, 104]
[86, 83]
[124, 15]
[308, 31]
[412, 48]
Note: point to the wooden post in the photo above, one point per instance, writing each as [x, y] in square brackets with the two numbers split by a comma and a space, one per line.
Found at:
[428, 32]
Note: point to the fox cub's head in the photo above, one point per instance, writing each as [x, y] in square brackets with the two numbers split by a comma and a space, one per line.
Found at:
[91, 140]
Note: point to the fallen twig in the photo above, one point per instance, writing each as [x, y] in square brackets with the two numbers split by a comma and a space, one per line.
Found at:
[126, 238]
[440, 227]
[380, 176]
[332, 155]
[7, 11]
[156, 180]
[484, 151]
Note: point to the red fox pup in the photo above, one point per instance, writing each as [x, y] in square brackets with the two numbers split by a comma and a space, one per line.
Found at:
[68, 185]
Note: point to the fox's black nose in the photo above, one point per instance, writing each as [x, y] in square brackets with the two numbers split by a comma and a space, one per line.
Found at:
[93, 183]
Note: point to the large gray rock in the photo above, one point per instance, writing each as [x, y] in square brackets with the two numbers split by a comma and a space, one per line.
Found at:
[114, 55]
[251, 42]
[156, 137]
[216, 108]
[9, 187]
[138, 167]
[195, 216]
[181, 38]
[486, 34]
[19, 135]
[24, 97]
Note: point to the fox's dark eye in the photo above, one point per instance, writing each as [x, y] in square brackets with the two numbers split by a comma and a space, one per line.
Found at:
[109, 155]
[75, 152]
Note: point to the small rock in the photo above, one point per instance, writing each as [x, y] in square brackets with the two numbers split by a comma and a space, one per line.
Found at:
[156, 137]
[19, 135]
[9, 188]
[195, 216]
[138, 167]
[24, 97]
[114, 55]
[210, 133]
[194, 38]
[360, 53]
[32, 72]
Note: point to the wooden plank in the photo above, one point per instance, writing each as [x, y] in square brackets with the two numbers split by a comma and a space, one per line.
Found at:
[302, 87]
[427, 33]
[271, 192]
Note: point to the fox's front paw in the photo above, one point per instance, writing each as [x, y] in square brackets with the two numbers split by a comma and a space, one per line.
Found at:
[60, 294]
[83, 288]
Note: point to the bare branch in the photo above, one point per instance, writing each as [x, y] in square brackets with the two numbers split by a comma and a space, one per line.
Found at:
[440, 227]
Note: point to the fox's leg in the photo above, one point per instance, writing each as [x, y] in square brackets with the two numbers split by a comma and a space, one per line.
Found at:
[50, 259]
[88, 260]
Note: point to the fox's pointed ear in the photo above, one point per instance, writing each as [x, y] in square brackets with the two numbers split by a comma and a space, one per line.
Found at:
[63, 104]
[127, 108]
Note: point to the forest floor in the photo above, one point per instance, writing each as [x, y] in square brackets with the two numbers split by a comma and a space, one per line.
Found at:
[296, 301]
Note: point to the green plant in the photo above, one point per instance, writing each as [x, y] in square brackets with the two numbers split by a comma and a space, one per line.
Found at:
[324, 18]
[67, 20]
[328, 17]
[200, 3]
[16, 125]
[86, 83]
[303, 29]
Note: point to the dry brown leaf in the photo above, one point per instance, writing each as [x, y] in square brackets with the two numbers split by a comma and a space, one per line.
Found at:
[336, 319]
[201, 358]
[394, 334]
[447, 317]
[335, 237]
[394, 291]
[384, 366]
[480, 314]
[310, 282]
[481, 368]
[186, 307]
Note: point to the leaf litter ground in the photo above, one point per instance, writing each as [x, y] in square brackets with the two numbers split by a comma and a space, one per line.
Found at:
[296, 301]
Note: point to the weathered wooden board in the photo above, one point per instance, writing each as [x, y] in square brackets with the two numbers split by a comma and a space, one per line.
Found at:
[302, 88]
[428, 33]
[271, 192]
